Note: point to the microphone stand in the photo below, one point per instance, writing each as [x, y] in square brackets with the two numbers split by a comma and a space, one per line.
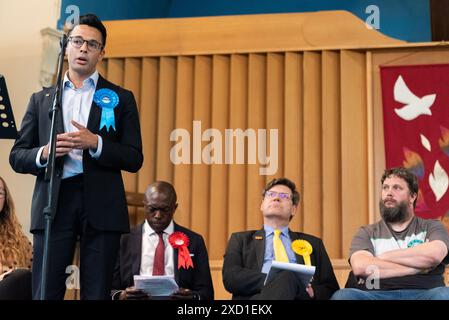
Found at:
[50, 172]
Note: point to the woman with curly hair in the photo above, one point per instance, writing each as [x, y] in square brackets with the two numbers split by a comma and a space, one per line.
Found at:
[15, 251]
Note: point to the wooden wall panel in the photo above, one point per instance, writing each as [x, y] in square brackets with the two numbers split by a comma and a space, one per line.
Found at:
[131, 81]
[306, 96]
[149, 96]
[116, 74]
[331, 150]
[312, 170]
[293, 134]
[354, 169]
[257, 93]
[275, 109]
[148, 125]
[115, 69]
[102, 68]
[237, 120]
[183, 121]
[201, 172]
[218, 207]
[299, 94]
[166, 118]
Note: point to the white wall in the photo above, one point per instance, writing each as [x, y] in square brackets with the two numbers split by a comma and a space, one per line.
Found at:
[20, 56]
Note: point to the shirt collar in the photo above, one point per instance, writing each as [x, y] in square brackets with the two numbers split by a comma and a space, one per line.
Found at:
[270, 230]
[92, 80]
[149, 231]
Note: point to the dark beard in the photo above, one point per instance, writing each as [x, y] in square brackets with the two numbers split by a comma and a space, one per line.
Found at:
[398, 213]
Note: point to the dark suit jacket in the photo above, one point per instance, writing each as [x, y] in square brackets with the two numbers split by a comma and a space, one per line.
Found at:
[244, 257]
[197, 279]
[104, 192]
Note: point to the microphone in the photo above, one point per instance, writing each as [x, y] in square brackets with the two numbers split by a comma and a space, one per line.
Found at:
[64, 41]
[57, 102]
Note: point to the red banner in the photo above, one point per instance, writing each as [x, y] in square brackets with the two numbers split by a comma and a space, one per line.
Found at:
[416, 130]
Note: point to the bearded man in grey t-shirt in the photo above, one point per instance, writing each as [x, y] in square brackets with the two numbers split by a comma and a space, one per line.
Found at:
[402, 256]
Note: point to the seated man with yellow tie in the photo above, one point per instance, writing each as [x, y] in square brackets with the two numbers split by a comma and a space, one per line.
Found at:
[159, 246]
[249, 254]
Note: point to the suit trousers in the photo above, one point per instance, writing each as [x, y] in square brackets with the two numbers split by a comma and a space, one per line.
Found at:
[98, 249]
[285, 286]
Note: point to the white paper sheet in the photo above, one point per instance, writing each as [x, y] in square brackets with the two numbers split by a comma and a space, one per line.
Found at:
[303, 272]
[156, 285]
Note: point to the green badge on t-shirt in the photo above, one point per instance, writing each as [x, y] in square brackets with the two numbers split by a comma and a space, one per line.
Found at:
[414, 242]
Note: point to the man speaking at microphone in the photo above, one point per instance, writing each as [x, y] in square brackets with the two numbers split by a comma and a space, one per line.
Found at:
[98, 135]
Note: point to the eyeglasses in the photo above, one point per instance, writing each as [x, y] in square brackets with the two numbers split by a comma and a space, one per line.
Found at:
[92, 45]
[281, 195]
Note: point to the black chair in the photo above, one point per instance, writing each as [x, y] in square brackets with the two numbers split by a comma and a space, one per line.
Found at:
[16, 285]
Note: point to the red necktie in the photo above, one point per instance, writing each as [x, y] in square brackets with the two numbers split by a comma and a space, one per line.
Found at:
[159, 253]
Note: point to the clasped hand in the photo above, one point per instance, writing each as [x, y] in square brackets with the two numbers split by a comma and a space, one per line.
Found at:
[66, 142]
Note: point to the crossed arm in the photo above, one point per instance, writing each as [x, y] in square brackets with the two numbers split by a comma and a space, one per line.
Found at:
[401, 262]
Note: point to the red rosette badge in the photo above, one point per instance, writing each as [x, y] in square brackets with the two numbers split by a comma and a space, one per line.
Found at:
[179, 240]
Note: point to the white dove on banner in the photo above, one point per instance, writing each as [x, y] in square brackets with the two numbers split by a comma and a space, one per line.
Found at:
[438, 181]
[414, 106]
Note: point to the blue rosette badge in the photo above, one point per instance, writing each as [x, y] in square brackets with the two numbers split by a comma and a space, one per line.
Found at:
[107, 100]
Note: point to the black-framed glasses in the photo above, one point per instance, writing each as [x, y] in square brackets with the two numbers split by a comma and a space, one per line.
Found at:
[92, 45]
[281, 195]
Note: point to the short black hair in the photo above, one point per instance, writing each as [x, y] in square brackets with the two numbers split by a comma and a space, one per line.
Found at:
[93, 21]
[285, 182]
[405, 174]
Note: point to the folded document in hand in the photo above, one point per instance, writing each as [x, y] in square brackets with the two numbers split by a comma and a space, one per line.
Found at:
[156, 285]
[304, 273]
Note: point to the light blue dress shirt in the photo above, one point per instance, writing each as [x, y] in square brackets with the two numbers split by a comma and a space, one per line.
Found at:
[76, 105]
[269, 250]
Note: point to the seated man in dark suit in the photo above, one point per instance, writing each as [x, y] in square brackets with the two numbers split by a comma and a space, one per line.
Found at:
[249, 254]
[153, 248]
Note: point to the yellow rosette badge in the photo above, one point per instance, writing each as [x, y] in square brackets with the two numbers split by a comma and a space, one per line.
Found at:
[304, 249]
